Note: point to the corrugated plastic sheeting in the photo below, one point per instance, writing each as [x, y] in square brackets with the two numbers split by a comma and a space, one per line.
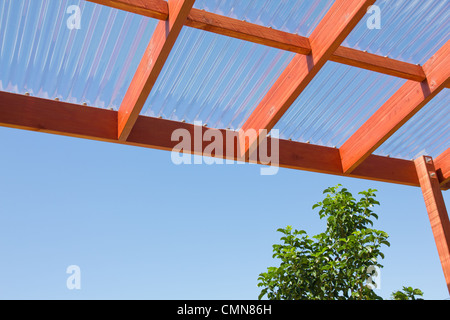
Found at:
[411, 30]
[214, 79]
[39, 54]
[426, 133]
[220, 80]
[335, 104]
[294, 16]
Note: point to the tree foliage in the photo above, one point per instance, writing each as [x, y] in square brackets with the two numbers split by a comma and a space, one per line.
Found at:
[408, 293]
[333, 264]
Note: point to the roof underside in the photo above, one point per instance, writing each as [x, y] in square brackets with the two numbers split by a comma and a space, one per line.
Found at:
[221, 79]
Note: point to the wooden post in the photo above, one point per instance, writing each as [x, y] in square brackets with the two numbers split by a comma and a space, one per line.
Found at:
[437, 212]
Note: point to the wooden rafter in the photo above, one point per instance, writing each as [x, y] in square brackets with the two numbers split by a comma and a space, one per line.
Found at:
[157, 9]
[437, 211]
[152, 62]
[373, 62]
[353, 159]
[341, 18]
[62, 118]
[243, 30]
[292, 42]
[442, 163]
[406, 102]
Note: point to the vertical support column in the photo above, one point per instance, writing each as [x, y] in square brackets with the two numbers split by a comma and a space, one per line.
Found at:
[437, 212]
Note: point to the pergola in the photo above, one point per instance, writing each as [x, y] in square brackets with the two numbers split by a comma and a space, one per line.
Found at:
[354, 157]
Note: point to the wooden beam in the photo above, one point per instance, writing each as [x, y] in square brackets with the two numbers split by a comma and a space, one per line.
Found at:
[292, 42]
[157, 9]
[243, 30]
[386, 169]
[445, 186]
[442, 163]
[57, 117]
[406, 102]
[152, 62]
[437, 213]
[325, 39]
[373, 62]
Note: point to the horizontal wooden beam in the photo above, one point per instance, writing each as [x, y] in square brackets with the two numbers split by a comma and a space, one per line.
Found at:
[151, 65]
[397, 110]
[445, 186]
[157, 9]
[243, 30]
[334, 27]
[442, 164]
[57, 117]
[219, 24]
[50, 116]
[437, 212]
[373, 62]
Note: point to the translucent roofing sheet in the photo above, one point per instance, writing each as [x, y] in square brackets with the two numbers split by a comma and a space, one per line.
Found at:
[220, 80]
[426, 133]
[410, 30]
[335, 104]
[214, 79]
[294, 16]
[41, 55]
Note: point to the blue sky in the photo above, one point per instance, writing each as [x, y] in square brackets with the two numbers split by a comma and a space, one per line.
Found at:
[140, 227]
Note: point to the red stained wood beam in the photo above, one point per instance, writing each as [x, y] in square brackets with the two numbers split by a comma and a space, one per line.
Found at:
[325, 39]
[57, 117]
[437, 212]
[406, 102]
[157, 9]
[291, 42]
[152, 62]
[50, 116]
[442, 164]
[445, 186]
[243, 30]
[373, 62]
[218, 24]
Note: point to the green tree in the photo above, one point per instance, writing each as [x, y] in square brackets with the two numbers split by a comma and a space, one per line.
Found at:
[334, 264]
[408, 293]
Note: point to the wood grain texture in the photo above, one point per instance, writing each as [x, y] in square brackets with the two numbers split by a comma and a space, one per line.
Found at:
[437, 212]
[397, 110]
[151, 64]
[243, 30]
[325, 39]
[157, 9]
[373, 62]
[442, 164]
[57, 117]
[255, 33]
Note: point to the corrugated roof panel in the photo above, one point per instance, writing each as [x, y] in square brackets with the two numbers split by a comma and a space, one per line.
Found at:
[410, 30]
[294, 16]
[214, 79]
[426, 133]
[335, 104]
[40, 55]
[220, 80]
